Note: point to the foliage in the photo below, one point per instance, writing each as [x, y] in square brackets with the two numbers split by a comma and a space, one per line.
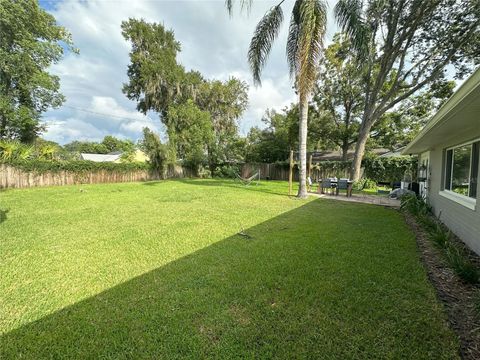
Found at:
[364, 183]
[404, 47]
[30, 42]
[414, 205]
[398, 127]
[229, 171]
[453, 252]
[76, 166]
[157, 82]
[303, 52]
[460, 263]
[225, 102]
[155, 150]
[107, 145]
[389, 169]
[339, 96]
[156, 271]
[190, 132]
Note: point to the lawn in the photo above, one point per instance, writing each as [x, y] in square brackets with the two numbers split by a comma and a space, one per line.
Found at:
[158, 270]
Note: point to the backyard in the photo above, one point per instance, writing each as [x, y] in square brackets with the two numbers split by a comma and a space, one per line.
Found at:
[210, 268]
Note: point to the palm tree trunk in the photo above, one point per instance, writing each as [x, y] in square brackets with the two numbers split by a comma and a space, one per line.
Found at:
[302, 147]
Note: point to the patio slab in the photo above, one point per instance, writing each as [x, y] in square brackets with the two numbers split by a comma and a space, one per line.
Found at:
[361, 198]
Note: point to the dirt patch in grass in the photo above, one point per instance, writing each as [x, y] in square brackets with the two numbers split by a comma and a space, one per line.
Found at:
[460, 299]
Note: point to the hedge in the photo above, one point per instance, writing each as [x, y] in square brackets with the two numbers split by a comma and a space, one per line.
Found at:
[389, 169]
[76, 166]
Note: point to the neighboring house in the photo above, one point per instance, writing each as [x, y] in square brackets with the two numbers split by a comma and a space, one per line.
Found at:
[449, 150]
[101, 157]
[138, 156]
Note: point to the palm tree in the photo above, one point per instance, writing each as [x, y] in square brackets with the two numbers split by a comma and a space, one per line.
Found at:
[303, 50]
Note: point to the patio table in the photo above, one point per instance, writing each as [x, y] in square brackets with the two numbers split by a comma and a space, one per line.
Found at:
[334, 186]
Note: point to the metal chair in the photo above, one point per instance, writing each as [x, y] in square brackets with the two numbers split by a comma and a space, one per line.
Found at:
[326, 184]
[342, 184]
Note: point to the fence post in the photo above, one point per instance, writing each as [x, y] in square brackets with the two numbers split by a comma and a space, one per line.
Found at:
[290, 175]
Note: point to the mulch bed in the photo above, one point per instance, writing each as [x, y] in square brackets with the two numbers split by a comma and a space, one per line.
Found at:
[457, 296]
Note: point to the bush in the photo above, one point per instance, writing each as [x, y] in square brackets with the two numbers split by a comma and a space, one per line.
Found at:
[415, 205]
[364, 184]
[227, 171]
[456, 257]
[440, 236]
[388, 169]
[460, 263]
[76, 166]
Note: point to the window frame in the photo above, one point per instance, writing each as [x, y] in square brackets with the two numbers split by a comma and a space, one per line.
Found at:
[465, 200]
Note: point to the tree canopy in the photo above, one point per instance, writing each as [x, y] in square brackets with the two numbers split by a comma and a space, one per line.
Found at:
[200, 115]
[404, 47]
[30, 42]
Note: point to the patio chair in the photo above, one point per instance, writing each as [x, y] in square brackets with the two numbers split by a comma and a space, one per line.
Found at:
[342, 184]
[326, 184]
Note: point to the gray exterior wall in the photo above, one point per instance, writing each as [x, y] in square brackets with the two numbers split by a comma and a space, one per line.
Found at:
[462, 221]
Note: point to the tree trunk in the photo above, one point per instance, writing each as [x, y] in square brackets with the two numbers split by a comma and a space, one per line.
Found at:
[302, 146]
[345, 147]
[360, 150]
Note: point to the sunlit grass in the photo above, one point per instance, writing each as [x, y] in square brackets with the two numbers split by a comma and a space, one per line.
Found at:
[158, 270]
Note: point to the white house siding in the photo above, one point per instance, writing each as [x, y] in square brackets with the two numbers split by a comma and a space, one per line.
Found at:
[462, 221]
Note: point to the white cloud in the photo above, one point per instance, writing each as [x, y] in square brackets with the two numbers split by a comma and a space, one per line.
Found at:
[212, 43]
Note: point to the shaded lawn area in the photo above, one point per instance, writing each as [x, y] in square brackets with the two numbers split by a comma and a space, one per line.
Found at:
[157, 270]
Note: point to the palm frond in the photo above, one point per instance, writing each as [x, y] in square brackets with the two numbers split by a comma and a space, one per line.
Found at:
[244, 5]
[292, 40]
[311, 30]
[262, 40]
[349, 17]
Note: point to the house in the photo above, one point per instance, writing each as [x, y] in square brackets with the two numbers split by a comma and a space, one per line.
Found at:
[138, 156]
[449, 150]
[336, 155]
[115, 157]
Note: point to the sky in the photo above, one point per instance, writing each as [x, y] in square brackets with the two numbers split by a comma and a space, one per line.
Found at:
[212, 42]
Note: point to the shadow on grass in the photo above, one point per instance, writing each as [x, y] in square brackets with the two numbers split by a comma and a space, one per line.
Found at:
[263, 186]
[289, 290]
[3, 215]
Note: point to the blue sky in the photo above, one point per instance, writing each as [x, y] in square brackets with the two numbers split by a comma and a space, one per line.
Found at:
[212, 43]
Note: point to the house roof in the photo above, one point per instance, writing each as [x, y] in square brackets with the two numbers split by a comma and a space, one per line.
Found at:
[457, 120]
[336, 155]
[100, 157]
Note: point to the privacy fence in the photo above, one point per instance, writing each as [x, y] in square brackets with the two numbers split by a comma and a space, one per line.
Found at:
[280, 171]
[12, 176]
[30, 174]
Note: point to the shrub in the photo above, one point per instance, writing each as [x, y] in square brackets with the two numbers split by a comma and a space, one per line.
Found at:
[227, 171]
[414, 205]
[76, 166]
[460, 263]
[364, 183]
[389, 169]
[440, 236]
[456, 257]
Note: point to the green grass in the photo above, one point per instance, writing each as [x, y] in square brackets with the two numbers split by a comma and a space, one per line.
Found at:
[157, 270]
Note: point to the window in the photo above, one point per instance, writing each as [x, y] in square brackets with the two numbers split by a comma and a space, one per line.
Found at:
[461, 169]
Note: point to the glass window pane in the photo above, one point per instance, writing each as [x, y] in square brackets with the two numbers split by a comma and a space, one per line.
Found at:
[474, 173]
[461, 169]
[448, 170]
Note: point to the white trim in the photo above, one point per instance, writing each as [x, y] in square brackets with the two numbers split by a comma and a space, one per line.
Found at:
[463, 144]
[463, 200]
[467, 88]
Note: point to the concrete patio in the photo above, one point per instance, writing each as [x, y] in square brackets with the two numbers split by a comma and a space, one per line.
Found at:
[361, 198]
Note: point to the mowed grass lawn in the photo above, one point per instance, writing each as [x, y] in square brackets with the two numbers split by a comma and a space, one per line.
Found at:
[157, 270]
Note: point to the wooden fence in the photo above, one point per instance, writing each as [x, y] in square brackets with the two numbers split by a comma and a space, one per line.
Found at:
[12, 177]
[280, 172]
